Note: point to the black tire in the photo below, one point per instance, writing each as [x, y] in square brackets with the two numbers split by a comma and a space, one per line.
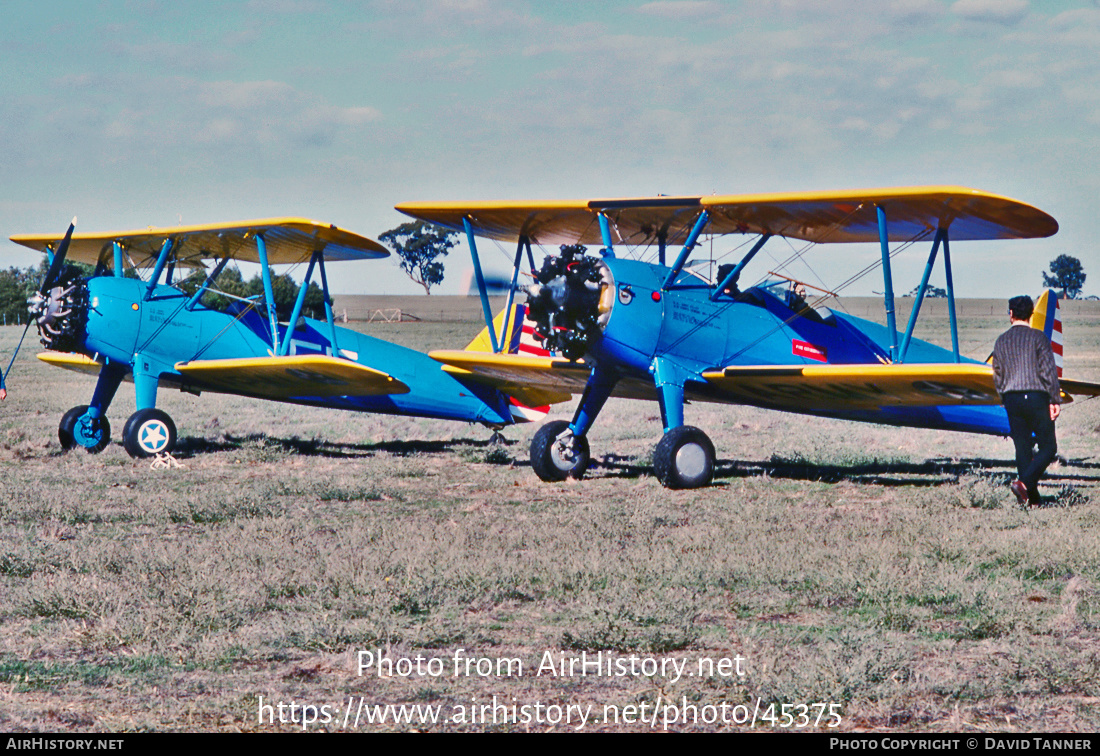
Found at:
[684, 458]
[555, 460]
[65, 427]
[149, 432]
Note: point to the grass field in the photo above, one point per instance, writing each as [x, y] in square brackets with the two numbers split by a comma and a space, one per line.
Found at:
[884, 571]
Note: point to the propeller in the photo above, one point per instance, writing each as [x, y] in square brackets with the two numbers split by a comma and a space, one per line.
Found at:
[47, 305]
[58, 260]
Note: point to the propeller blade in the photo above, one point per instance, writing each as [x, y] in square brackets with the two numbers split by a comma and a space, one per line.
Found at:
[58, 260]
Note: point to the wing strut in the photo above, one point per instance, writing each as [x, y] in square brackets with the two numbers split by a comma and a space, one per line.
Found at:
[269, 290]
[888, 282]
[941, 235]
[605, 233]
[506, 325]
[951, 297]
[733, 274]
[328, 307]
[117, 248]
[689, 244]
[480, 283]
[194, 300]
[284, 348]
[162, 258]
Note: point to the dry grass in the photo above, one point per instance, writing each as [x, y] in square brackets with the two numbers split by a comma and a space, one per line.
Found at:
[878, 568]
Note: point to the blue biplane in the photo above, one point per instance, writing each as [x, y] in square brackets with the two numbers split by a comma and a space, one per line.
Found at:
[157, 335]
[623, 327]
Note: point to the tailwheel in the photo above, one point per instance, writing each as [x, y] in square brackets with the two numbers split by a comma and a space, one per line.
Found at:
[77, 429]
[149, 432]
[684, 458]
[556, 454]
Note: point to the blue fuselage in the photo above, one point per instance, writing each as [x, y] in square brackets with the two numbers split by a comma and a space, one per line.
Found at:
[686, 326]
[126, 326]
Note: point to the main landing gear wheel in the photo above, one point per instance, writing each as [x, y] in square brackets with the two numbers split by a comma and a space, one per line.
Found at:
[149, 432]
[556, 454]
[684, 458]
[65, 427]
[76, 430]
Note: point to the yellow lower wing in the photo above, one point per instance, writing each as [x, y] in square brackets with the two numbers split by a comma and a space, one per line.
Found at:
[71, 361]
[854, 387]
[290, 377]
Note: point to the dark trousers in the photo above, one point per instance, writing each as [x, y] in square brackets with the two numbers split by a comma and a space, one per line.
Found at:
[1030, 425]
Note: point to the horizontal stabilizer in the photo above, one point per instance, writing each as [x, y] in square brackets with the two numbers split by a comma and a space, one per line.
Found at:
[288, 240]
[534, 381]
[1079, 388]
[289, 377]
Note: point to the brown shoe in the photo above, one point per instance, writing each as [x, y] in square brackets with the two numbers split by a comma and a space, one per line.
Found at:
[1020, 491]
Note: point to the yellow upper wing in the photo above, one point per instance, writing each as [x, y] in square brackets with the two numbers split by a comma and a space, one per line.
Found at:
[822, 217]
[288, 240]
[289, 377]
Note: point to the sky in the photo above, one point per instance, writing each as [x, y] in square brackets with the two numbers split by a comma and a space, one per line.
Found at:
[139, 113]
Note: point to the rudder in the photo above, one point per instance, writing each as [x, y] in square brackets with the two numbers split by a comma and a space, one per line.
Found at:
[519, 339]
[1047, 318]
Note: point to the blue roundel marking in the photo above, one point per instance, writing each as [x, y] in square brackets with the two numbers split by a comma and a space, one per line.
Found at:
[153, 436]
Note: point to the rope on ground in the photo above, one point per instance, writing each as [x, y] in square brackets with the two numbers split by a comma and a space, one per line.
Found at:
[164, 461]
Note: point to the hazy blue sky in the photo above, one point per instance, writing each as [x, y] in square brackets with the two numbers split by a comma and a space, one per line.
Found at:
[139, 113]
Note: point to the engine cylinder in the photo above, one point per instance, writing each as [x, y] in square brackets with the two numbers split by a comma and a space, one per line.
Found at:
[571, 301]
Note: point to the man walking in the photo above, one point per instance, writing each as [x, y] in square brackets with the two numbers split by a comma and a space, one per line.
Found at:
[1025, 376]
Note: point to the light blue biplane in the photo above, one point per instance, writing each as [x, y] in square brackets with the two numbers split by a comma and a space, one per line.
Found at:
[157, 335]
[644, 328]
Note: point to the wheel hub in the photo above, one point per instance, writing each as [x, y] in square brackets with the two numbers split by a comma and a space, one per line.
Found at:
[563, 453]
[691, 460]
[88, 431]
[153, 437]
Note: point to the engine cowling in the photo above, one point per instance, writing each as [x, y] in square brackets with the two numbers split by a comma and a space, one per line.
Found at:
[571, 301]
[61, 313]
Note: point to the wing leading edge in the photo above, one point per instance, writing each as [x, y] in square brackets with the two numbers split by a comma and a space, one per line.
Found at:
[810, 388]
[821, 217]
[289, 240]
[842, 388]
[283, 378]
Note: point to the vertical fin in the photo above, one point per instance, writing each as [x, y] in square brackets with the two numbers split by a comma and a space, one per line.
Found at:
[520, 339]
[1048, 319]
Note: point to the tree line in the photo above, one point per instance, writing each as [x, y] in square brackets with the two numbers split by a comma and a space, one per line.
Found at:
[18, 284]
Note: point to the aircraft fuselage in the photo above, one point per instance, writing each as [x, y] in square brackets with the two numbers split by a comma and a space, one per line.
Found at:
[153, 331]
[684, 325]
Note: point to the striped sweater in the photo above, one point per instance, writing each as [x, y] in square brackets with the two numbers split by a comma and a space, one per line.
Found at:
[1023, 361]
